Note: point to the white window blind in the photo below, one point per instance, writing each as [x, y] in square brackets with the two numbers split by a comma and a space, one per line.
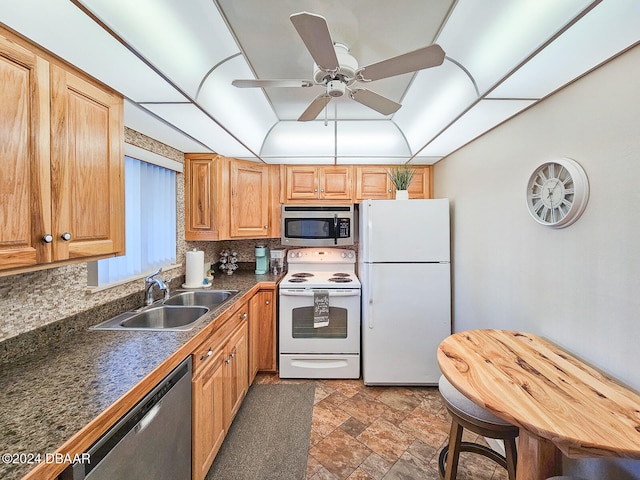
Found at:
[150, 224]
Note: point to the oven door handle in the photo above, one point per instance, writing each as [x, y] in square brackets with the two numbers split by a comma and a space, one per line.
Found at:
[310, 293]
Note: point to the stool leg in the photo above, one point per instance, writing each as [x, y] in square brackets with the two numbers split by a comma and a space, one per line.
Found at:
[511, 455]
[455, 437]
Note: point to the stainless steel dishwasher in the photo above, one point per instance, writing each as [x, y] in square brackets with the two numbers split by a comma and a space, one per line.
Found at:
[152, 441]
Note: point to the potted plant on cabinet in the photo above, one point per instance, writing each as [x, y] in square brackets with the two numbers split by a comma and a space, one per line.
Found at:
[401, 176]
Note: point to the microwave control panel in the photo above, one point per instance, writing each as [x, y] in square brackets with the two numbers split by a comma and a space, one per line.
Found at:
[343, 228]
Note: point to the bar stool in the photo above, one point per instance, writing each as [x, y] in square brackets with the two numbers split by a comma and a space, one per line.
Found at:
[466, 414]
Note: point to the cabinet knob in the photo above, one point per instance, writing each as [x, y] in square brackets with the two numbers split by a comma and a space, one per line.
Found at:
[267, 302]
[322, 190]
[266, 227]
[244, 315]
[389, 190]
[66, 236]
[47, 238]
[315, 189]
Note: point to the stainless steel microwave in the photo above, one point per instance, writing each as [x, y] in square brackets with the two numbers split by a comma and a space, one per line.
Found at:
[317, 226]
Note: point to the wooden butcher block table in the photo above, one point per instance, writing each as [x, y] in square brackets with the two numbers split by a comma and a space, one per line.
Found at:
[559, 403]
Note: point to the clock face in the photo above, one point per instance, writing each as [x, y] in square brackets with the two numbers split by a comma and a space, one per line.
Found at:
[557, 193]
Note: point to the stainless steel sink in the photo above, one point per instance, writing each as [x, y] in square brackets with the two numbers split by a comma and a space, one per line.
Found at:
[160, 318]
[180, 312]
[206, 298]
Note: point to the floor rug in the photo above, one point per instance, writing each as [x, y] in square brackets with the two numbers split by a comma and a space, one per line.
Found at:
[269, 438]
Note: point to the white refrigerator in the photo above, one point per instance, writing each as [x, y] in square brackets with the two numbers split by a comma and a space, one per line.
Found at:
[404, 268]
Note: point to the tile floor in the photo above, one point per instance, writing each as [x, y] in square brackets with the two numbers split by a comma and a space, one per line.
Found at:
[382, 433]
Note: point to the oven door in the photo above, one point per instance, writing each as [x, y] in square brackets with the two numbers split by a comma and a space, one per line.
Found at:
[297, 333]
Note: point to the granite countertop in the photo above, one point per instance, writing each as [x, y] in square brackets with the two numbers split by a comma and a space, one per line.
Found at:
[49, 395]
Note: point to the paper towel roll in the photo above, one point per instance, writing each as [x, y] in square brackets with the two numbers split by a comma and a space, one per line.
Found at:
[195, 269]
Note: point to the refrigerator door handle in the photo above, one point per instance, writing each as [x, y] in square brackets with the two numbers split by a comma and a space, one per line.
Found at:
[370, 295]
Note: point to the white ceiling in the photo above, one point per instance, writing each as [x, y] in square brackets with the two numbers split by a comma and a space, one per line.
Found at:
[175, 61]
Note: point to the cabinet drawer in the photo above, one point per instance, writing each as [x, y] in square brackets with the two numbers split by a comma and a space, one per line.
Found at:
[206, 353]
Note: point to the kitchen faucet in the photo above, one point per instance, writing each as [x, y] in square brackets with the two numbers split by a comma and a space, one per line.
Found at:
[149, 282]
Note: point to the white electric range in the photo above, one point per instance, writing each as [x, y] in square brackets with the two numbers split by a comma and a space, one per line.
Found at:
[319, 278]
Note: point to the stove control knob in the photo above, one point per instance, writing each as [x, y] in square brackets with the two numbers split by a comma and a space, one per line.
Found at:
[351, 255]
[344, 254]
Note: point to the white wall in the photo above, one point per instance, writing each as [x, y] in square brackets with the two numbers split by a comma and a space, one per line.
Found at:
[578, 286]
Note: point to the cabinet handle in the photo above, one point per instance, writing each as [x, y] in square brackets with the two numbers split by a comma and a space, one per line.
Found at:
[206, 355]
[243, 316]
[47, 238]
[389, 190]
[227, 361]
[266, 226]
[322, 190]
[315, 189]
[66, 236]
[267, 302]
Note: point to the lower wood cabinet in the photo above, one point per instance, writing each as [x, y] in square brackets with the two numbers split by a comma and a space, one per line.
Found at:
[220, 382]
[208, 427]
[262, 333]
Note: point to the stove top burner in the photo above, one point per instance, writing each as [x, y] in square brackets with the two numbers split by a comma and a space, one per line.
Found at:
[341, 274]
[302, 275]
[297, 280]
[340, 279]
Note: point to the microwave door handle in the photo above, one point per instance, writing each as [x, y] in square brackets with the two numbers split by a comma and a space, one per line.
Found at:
[335, 228]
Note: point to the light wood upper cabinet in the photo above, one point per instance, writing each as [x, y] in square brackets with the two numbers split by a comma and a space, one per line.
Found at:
[420, 186]
[87, 168]
[62, 183]
[373, 182]
[319, 182]
[227, 199]
[249, 200]
[25, 201]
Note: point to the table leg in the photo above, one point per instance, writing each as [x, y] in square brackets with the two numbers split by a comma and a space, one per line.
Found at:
[538, 458]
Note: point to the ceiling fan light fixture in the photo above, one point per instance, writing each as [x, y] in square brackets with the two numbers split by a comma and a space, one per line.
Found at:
[336, 88]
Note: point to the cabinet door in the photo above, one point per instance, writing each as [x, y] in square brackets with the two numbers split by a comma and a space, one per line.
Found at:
[262, 333]
[420, 186]
[236, 370]
[249, 200]
[208, 423]
[87, 168]
[373, 183]
[335, 183]
[25, 208]
[267, 329]
[199, 209]
[254, 336]
[302, 183]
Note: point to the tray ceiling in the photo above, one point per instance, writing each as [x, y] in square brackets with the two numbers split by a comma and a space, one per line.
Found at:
[175, 61]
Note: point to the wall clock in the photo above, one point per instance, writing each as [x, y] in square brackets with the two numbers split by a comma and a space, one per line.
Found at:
[557, 193]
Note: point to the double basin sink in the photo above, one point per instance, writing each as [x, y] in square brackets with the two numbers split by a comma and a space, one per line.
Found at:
[180, 312]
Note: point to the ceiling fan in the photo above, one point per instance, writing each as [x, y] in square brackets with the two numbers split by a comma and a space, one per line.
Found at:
[337, 71]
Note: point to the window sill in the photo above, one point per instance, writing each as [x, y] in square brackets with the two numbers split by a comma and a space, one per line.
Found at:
[91, 290]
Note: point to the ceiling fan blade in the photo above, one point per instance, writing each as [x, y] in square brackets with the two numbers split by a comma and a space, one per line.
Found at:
[425, 57]
[315, 108]
[271, 83]
[377, 102]
[314, 31]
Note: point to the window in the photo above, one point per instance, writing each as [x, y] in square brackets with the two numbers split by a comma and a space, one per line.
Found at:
[150, 225]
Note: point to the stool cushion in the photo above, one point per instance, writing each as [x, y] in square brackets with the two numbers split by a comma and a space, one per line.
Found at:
[466, 407]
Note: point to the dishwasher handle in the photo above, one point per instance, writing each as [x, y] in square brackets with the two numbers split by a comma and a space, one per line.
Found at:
[148, 418]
